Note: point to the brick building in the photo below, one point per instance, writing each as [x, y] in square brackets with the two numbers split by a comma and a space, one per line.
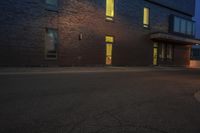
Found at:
[96, 32]
[195, 53]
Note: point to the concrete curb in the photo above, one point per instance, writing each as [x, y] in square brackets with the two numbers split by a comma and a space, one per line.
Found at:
[60, 70]
[197, 96]
[22, 71]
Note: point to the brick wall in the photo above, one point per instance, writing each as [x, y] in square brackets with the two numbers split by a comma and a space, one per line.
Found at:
[23, 23]
[21, 32]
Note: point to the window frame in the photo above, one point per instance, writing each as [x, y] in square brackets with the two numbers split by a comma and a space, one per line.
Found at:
[109, 36]
[170, 51]
[110, 18]
[162, 51]
[109, 42]
[56, 46]
[50, 7]
[172, 26]
[191, 30]
[147, 26]
[166, 52]
[195, 54]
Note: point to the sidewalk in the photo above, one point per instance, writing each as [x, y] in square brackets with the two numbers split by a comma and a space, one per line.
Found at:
[43, 70]
[59, 70]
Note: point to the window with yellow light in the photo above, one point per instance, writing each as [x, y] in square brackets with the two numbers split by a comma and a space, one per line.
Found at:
[146, 17]
[109, 39]
[110, 5]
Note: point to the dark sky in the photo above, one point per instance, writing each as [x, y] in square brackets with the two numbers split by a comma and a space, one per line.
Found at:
[197, 18]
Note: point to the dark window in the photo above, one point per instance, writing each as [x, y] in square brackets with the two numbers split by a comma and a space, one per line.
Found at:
[176, 24]
[166, 51]
[169, 51]
[51, 43]
[195, 53]
[52, 4]
[162, 51]
[189, 28]
[183, 26]
[194, 28]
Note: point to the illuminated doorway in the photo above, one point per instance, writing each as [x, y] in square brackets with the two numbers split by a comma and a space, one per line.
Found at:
[155, 54]
[109, 49]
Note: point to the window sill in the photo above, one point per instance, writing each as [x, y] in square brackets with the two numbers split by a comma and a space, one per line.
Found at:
[51, 59]
[109, 19]
[51, 8]
[147, 28]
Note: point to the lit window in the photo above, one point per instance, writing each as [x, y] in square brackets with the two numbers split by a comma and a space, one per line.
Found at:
[109, 39]
[51, 43]
[110, 9]
[146, 17]
[52, 4]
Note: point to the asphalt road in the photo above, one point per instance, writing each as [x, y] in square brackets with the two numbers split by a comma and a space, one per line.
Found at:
[153, 101]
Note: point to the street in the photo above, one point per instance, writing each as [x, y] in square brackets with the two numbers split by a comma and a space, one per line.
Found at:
[132, 101]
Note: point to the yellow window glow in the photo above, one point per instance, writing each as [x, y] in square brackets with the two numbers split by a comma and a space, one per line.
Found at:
[109, 49]
[155, 56]
[146, 17]
[109, 39]
[110, 9]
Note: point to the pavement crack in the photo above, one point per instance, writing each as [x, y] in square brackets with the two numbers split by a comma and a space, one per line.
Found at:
[77, 124]
[115, 117]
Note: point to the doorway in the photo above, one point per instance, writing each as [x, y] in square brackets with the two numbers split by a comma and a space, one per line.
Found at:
[155, 54]
[108, 54]
[109, 49]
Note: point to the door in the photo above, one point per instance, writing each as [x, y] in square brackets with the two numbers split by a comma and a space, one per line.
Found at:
[109, 54]
[109, 49]
[155, 54]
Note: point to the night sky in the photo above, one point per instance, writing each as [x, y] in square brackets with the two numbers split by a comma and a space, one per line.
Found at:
[197, 18]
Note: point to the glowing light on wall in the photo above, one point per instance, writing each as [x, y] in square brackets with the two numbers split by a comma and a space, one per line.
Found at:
[110, 4]
[109, 49]
[146, 17]
[109, 39]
